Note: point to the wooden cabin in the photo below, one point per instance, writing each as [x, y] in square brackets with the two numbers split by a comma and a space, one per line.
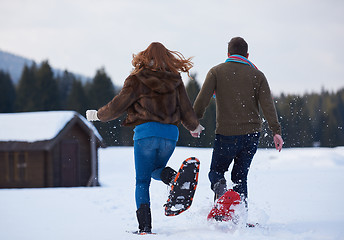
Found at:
[48, 149]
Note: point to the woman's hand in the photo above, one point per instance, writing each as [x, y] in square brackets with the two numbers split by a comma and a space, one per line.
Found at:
[91, 115]
[197, 132]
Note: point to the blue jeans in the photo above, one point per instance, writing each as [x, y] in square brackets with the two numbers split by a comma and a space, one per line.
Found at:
[151, 157]
[241, 149]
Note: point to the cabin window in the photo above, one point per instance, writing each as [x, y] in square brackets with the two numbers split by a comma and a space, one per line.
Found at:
[17, 165]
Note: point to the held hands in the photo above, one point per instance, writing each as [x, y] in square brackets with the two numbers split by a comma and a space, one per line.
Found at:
[91, 115]
[278, 142]
[197, 132]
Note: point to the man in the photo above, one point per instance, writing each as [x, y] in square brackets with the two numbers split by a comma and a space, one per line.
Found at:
[240, 88]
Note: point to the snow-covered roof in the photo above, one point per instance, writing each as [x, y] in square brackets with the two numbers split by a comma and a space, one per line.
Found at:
[37, 126]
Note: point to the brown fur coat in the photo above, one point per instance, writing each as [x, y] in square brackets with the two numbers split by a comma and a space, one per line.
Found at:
[151, 96]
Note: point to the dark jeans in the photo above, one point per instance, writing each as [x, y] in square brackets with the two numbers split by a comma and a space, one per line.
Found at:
[151, 156]
[241, 149]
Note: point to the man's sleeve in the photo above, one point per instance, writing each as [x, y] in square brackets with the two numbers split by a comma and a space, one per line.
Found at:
[204, 96]
[268, 107]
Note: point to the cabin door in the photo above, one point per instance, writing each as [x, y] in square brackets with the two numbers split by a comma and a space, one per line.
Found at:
[69, 164]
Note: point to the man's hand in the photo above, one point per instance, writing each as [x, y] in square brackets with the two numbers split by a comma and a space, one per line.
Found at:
[278, 142]
[197, 132]
[91, 115]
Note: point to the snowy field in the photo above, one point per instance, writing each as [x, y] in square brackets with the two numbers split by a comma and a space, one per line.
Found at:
[294, 194]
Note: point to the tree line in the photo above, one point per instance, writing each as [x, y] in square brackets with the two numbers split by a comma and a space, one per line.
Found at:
[307, 120]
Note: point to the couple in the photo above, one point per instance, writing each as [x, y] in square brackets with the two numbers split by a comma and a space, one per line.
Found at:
[156, 101]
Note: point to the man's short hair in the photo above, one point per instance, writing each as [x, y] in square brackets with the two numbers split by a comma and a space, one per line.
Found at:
[238, 45]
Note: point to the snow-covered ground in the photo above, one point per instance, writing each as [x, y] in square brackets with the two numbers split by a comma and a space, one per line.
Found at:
[294, 194]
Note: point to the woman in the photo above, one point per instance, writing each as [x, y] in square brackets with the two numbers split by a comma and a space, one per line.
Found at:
[156, 101]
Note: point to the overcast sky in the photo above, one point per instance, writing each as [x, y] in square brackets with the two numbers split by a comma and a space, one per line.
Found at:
[298, 44]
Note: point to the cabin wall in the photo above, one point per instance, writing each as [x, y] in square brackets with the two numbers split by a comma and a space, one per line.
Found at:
[75, 138]
[22, 169]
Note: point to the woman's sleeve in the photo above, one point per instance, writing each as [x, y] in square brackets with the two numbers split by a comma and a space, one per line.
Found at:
[120, 103]
[187, 114]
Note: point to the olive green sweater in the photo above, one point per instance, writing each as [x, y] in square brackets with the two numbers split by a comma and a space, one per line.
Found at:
[240, 90]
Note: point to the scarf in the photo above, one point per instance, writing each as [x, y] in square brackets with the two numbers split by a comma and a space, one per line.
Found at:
[240, 59]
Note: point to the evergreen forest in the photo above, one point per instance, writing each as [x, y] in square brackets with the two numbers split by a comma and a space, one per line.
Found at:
[308, 120]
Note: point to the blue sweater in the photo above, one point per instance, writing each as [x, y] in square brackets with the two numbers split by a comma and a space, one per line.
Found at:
[156, 129]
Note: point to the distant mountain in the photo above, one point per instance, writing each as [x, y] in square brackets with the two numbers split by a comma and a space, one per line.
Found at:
[14, 64]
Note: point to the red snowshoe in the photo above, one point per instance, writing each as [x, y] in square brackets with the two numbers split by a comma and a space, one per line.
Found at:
[223, 208]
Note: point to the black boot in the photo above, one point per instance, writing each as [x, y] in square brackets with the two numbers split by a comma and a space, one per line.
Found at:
[219, 188]
[167, 175]
[144, 218]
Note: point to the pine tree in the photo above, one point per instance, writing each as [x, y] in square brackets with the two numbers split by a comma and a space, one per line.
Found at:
[314, 108]
[8, 93]
[77, 99]
[339, 115]
[209, 123]
[46, 97]
[26, 89]
[99, 92]
[193, 88]
[65, 85]
[185, 138]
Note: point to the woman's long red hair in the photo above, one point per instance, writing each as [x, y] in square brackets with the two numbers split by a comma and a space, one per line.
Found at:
[158, 58]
